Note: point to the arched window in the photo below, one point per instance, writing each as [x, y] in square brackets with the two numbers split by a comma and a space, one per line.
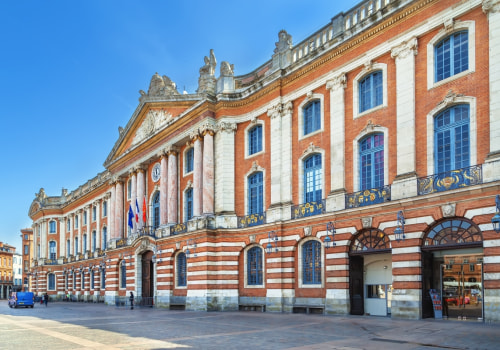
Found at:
[254, 266]
[255, 140]
[311, 262]
[453, 232]
[312, 117]
[370, 240]
[371, 154]
[452, 139]
[312, 179]
[156, 210]
[189, 204]
[123, 275]
[181, 270]
[52, 250]
[255, 193]
[52, 281]
[370, 91]
[452, 55]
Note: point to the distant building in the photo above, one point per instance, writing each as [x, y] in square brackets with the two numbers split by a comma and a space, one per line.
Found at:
[27, 257]
[17, 272]
[6, 273]
[352, 173]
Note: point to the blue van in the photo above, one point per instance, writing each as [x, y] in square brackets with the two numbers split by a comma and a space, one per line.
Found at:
[25, 299]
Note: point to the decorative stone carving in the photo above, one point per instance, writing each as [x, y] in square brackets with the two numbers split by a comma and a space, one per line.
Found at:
[311, 149]
[284, 42]
[161, 86]
[448, 210]
[171, 149]
[367, 222]
[449, 24]
[449, 99]
[207, 128]
[41, 196]
[405, 48]
[206, 81]
[370, 127]
[227, 127]
[275, 111]
[307, 231]
[226, 69]
[155, 120]
[339, 82]
[252, 238]
[287, 108]
[491, 6]
[368, 65]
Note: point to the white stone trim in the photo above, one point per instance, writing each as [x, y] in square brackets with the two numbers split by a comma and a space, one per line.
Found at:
[406, 278]
[408, 250]
[255, 169]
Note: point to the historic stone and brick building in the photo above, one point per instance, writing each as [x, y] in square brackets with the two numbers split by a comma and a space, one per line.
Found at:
[350, 174]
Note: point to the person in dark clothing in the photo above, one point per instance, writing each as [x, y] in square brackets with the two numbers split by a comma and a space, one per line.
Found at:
[46, 299]
[131, 301]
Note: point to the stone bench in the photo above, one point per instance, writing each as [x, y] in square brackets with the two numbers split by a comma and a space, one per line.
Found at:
[308, 309]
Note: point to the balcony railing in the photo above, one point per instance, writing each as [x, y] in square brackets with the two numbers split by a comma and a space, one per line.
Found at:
[50, 262]
[308, 209]
[178, 229]
[147, 231]
[368, 197]
[450, 180]
[122, 242]
[251, 220]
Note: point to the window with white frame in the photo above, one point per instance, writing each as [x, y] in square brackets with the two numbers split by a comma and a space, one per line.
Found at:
[254, 266]
[188, 206]
[189, 160]
[76, 221]
[451, 53]
[105, 208]
[52, 226]
[52, 250]
[181, 270]
[94, 213]
[123, 275]
[85, 217]
[104, 238]
[310, 263]
[313, 179]
[52, 281]
[68, 224]
[256, 193]
[370, 89]
[371, 160]
[255, 140]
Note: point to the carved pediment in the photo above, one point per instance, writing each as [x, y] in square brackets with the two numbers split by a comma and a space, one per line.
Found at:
[155, 120]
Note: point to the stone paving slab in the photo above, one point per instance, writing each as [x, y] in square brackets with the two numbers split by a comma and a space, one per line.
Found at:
[96, 326]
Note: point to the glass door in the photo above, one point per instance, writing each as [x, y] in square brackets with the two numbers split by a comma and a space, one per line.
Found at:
[462, 286]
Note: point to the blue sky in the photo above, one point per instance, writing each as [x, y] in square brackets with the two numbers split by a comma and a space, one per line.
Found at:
[70, 72]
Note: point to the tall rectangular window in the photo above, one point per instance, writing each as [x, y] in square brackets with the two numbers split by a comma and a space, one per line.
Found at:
[452, 55]
[52, 281]
[370, 91]
[189, 160]
[312, 117]
[189, 204]
[52, 226]
[312, 179]
[52, 250]
[94, 213]
[255, 140]
[311, 262]
[105, 209]
[255, 193]
[181, 270]
[372, 162]
[254, 266]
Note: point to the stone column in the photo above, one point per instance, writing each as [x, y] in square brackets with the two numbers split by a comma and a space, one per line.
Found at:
[111, 212]
[274, 115]
[79, 230]
[97, 205]
[491, 168]
[197, 174]
[133, 197]
[119, 210]
[141, 191]
[224, 179]
[405, 183]
[286, 155]
[172, 184]
[43, 238]
[71, 241]
[163, 189]
[336, 198]
[62, 241]
[208, 170]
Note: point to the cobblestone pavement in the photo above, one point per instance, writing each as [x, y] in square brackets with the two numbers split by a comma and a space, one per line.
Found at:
[96, 326]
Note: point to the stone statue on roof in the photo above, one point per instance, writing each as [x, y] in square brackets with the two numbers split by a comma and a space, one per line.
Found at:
[206, 81]
[162, 86]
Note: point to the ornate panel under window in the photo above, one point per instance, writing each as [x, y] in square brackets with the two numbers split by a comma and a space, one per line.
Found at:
[450, 180]
[368, 197]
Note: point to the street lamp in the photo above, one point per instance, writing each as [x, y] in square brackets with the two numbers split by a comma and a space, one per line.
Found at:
[330, 235]
[272, 237]
[399, 232]
[495, 220]
[191, 243]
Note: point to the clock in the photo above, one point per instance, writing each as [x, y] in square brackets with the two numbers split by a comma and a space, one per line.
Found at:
[156, 173]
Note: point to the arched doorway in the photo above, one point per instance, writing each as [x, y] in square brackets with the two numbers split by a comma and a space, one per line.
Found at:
[370, 273]
[452, 262]
[147, 279]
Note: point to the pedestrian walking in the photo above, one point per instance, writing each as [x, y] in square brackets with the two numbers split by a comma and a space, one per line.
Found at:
[131, 301]
[46, 299]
